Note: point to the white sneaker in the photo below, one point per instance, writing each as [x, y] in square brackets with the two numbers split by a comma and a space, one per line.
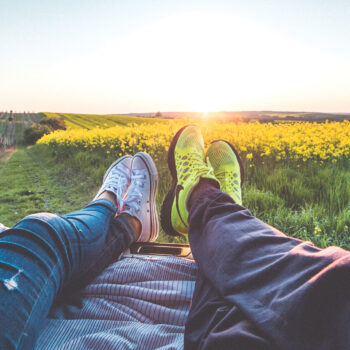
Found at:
[117, 180]
[2, 227]
[140, 201]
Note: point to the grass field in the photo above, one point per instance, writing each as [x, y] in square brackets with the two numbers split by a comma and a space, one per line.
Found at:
[29, 180]
[29, 184]
[12, 126]
[90, 121]
[302, 191]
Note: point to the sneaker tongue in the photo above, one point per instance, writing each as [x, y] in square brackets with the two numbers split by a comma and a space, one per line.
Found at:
[132, 204]
[117, 186]
[139, 174]
[133, 199]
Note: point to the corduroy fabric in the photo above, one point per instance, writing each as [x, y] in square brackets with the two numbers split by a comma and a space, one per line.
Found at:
[139, 302]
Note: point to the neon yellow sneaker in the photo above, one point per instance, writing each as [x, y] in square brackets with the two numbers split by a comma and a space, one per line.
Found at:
[187, 166]
[228, 168]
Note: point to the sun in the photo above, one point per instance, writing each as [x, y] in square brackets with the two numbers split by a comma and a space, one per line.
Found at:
[205, 62]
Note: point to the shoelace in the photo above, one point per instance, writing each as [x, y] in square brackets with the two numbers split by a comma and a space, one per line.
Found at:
[223, 177]
[202, 169]
[211, 169]
[134, 196]
[117, 182]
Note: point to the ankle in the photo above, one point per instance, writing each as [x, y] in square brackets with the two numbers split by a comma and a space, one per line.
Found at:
[109, 196]
[135, 224]
[203, 188]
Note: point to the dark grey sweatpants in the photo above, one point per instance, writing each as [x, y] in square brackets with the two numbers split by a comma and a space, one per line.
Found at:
[259, 289]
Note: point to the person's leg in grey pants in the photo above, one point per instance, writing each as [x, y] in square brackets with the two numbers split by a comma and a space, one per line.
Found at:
[259, 289]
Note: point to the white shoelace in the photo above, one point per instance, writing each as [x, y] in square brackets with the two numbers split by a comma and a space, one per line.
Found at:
[117, 182]
[135, 193]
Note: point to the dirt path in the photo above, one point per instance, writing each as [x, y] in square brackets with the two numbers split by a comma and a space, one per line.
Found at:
[12, 126]
[5, 156]
[29, 180]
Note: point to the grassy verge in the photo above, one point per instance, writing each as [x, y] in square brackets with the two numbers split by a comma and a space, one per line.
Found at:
[29, 183]
[307, 199]
[5, 156]
[310, 202]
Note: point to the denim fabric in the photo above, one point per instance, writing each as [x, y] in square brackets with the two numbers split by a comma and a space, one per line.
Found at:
[259, 289]
[44, 255]
[256, 288]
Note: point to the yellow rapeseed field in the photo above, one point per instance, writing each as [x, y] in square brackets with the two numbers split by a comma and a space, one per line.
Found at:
[300, 141]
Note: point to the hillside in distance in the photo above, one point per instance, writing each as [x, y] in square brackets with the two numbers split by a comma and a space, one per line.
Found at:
[262, 116]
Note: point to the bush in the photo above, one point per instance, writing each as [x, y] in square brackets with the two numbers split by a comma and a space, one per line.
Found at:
[34, 133]
[53, 123]
[45, 126]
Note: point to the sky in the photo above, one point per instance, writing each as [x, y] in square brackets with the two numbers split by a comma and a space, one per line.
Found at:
[125, 56]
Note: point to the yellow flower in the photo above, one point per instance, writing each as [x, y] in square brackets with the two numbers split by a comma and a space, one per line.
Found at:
[298, 142]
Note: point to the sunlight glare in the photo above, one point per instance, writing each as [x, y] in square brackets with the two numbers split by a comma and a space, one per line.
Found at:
[206, 62]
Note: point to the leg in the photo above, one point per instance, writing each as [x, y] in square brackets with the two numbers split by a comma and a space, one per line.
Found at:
[44, 253]
[258, 289]
[213, 323]
[293, 294]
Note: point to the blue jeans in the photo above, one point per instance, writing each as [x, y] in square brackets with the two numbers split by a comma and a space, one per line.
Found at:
[258, 289]
[45, 255]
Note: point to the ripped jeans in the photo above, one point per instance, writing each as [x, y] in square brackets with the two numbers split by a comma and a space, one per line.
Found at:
[45, 255]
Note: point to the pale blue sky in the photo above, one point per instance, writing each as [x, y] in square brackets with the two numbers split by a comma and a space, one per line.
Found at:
[137, 56]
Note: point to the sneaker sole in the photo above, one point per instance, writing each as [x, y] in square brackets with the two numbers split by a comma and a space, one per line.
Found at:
[165, 213]
[238, 158]
[154, 178]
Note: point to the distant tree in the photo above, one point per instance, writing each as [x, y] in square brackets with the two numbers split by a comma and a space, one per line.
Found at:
[54, 123]
[158, 114]
[34, 133]
[45, 126]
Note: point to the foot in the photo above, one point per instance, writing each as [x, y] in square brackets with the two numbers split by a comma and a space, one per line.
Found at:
[187, 167]
[2, 228]
[228, 168]
[117, 180]
[140, 201]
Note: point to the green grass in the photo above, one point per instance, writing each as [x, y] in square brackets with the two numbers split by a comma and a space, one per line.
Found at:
[296, 201]
[310, 202]
[90, 121]
[19, 132]
[2, 126]
[29, 184]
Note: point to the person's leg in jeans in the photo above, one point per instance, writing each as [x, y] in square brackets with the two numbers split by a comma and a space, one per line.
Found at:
[257, 288]
[45, 255]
